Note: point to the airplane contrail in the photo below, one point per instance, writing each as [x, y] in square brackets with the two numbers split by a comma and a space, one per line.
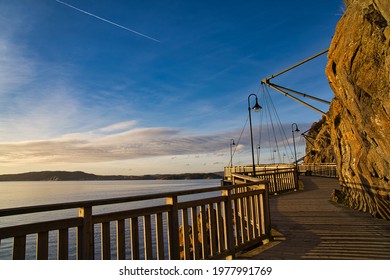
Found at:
[106, 20]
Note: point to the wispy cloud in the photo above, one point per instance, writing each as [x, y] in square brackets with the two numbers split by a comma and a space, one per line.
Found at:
[15, 69]
[108, 21]
[92, 147]
[39, 101]
[119, 126]
[40, 112]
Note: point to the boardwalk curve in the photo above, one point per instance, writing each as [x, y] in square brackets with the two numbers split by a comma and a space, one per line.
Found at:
[308, 226]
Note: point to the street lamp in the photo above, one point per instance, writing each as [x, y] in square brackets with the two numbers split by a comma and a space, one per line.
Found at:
[258, 154]
[231, 151]
[295, 151]
[256, 108]
[273, 156]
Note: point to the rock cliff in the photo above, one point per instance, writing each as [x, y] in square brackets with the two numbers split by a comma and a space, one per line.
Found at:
[356, 130]
[318, 143]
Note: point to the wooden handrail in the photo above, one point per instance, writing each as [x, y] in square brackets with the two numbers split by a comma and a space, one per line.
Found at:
[21, 230]
[280, 179]
[209, 228]
[320, 169]
[106, 201]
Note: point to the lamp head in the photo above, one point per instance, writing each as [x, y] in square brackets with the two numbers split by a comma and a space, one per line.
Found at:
[256, 107]
[296, 127]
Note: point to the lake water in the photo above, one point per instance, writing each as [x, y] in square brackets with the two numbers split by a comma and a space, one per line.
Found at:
[16, 194]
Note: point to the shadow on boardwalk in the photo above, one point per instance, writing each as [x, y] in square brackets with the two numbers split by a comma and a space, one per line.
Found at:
[312, 227]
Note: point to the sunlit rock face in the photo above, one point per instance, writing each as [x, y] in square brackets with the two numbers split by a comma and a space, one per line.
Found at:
[318, 143]
[358, 123]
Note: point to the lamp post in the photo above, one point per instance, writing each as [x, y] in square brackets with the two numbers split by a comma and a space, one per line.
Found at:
[258, 154]
[273, 156]
[231, 151]
[295, 151]
[256, 108]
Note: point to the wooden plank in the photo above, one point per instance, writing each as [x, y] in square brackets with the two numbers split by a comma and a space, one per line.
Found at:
[159, 237]
[281, 181]
[105, 241]
[249, 214]
[63, 244]
[254, 216]
[186, 236]
[262, 214]
[250, 243]
[220, 227]
[276, 187]
[19, 248]
[237, 224]
[257, 215]
[243, 220]
[205, 241]
[228, 225]
[148, 238]
[120, 240]
[134, 236]
[85, 235]
[267, 213]
[33, 228]
[133, 213]
[173, 227]
[247, 193]
[192, 203]
[197, 247]
[212, 229]
[97, 202]
[280, 178]
[43, 246]
[314, 228]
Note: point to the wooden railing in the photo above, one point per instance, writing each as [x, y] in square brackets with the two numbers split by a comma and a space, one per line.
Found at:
[179, 226]
[281, 178]
[319, 169]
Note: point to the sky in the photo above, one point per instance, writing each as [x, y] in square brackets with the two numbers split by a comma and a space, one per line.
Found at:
[146, 87]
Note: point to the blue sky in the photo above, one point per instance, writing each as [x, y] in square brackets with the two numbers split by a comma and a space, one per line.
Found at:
[155, 87]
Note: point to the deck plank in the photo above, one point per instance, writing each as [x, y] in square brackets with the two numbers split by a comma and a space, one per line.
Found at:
[315, 228]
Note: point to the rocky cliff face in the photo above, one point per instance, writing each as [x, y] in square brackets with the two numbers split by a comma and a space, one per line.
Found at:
[357, 125]
[318, 143]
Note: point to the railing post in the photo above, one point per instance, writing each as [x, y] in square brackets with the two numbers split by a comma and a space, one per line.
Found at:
[173, 228]
[267, 211]
[296, 179]
[85, 235]
[276, 190]
[228, 231]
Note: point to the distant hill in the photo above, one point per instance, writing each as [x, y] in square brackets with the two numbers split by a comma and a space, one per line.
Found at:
[82, 176]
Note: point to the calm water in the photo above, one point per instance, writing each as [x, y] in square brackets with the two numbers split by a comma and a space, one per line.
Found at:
[15, 194]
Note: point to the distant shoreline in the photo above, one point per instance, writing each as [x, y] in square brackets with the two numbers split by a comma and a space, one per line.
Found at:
[82, 176]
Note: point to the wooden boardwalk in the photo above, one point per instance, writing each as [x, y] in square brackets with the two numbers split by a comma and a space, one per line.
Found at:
[309, 226]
